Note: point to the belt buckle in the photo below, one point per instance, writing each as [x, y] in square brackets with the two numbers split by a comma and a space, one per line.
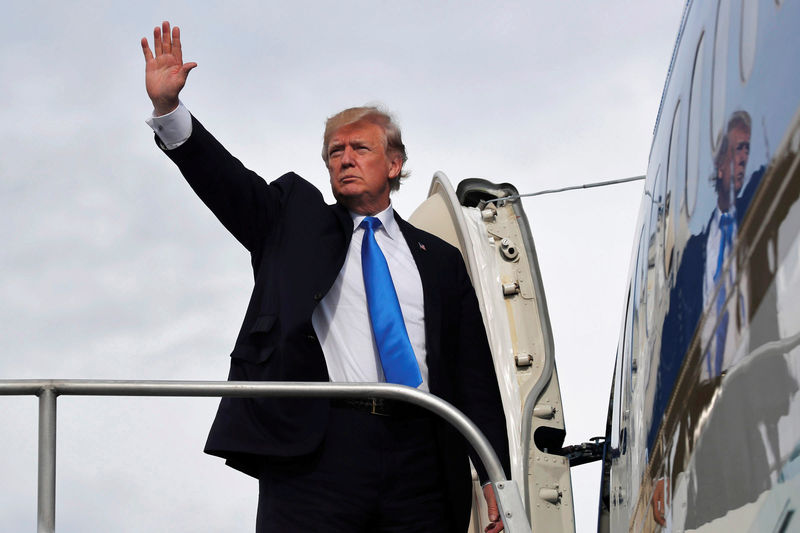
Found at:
[374, 410]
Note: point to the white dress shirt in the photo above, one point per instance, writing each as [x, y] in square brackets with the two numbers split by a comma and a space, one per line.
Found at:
[712, 254]
[174, 128]
[341, 320]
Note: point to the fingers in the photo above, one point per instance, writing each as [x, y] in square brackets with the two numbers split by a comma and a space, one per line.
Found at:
[495, 525]
[187, 67]
[176, 44]
[491, 503]
[157, 41]
[166, 39]
[148, 55]
[166, 42]
[162, 43]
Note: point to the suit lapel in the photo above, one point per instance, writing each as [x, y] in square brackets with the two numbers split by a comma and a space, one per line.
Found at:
[428, 268]
[345, 220]
[333, 238]
[330, 251]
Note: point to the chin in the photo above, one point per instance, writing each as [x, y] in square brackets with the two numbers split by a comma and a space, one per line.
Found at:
[345, 198]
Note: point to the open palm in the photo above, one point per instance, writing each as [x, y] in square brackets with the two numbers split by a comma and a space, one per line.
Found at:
[165, 71]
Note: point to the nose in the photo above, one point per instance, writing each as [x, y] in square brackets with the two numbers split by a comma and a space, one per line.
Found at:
[347, 157]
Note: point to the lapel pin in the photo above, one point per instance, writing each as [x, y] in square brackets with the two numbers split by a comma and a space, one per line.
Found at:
[422, 247]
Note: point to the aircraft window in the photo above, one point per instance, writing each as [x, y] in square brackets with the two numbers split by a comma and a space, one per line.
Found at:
[673, 169]
[625, 366]
[629, 351]
[719, 79]
[625, 336]
[654, 244]
[616, 409]
[693, 141]
[626, 383]
[640, 296]
[747, 41]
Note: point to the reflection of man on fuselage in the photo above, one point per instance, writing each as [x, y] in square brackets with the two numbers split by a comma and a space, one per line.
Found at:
[702, 257]
[741, 318]
[730, 164]
[719, 275]
[696, 480]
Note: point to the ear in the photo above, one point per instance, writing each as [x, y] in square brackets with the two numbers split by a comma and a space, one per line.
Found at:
[395, 166]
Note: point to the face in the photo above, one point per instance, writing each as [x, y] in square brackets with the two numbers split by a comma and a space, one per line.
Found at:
[724, 181]
[360, 169]
[739, 139]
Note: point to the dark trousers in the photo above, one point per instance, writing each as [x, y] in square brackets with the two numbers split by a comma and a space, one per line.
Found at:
[371, 474]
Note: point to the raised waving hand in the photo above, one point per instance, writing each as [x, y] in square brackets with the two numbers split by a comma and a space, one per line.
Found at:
[165, 72]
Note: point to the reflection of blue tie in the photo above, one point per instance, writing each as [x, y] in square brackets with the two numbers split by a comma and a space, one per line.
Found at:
[725, 241]
[397, 356]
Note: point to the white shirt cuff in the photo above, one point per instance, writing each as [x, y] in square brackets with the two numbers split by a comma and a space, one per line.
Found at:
[174, 128]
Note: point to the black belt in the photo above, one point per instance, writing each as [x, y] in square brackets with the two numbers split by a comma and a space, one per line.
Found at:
[382, 407]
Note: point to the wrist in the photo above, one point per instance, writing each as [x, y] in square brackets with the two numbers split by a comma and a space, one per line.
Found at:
[164, 107]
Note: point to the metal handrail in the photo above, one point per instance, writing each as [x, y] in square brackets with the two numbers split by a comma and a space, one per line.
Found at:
[508, 496]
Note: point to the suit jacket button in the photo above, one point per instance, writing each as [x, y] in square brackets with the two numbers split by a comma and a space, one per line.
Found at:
[318, 296]
[311, 338]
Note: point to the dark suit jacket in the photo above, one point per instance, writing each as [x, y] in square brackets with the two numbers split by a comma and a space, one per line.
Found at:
[298, 244]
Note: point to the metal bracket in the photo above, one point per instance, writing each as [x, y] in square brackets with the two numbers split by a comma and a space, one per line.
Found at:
[509, 503]
[588, 452]
[510, 289]
[523, 359]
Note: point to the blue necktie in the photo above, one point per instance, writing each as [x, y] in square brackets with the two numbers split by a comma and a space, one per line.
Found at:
[725, 240]
[726, 224]
[394, 347]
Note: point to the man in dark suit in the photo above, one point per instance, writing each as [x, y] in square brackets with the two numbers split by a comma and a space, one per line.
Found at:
[338, 465]
[701, 264]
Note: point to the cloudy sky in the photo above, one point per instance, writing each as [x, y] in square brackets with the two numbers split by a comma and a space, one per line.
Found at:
[111, 268]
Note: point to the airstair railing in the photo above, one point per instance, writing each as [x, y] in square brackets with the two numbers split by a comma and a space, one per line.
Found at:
[509, 501]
